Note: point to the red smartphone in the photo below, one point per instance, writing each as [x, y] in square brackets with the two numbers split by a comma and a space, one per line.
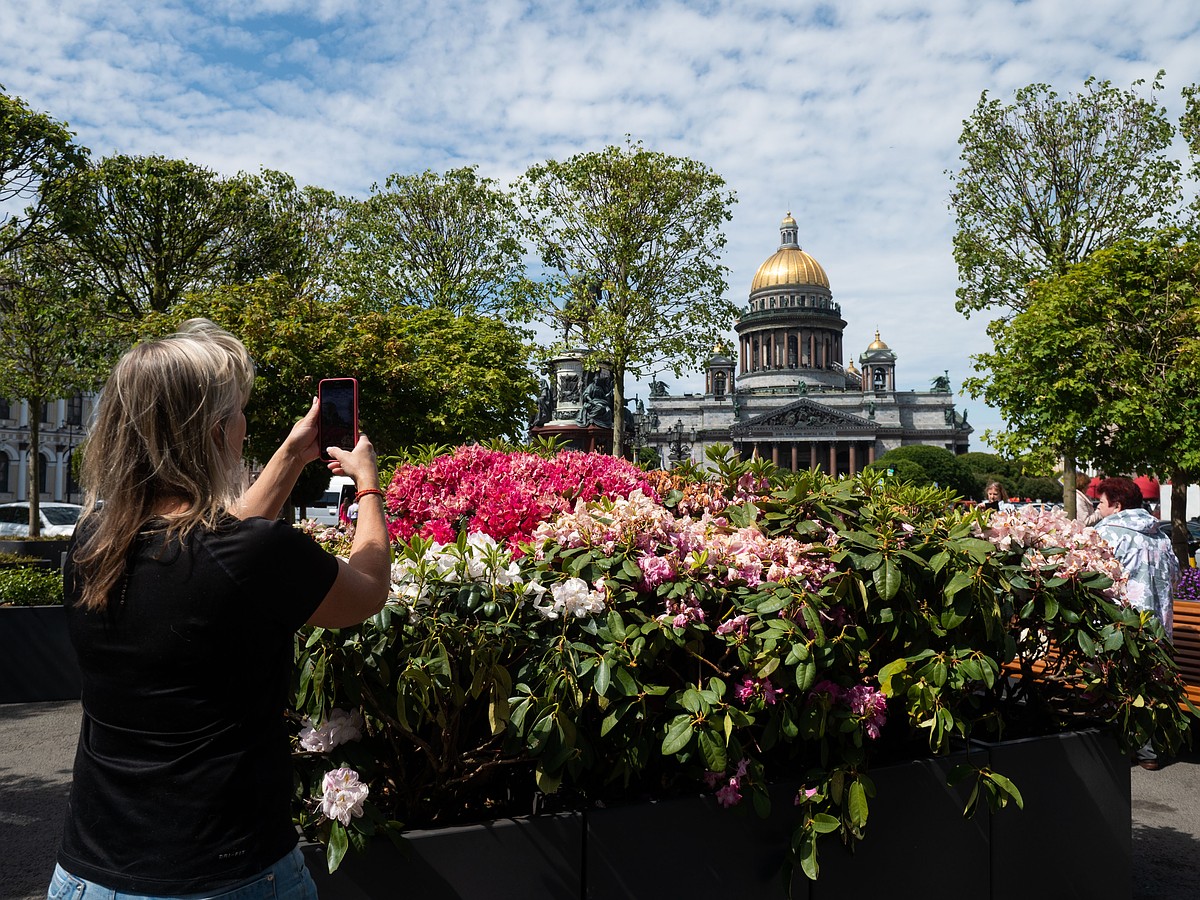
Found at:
[337, 425]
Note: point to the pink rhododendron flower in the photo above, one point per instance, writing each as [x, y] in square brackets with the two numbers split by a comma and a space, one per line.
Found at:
[804, 795]
[683, 612]
[730, 795]
[344, 795]
[751, 687]
[738, 625]
[655, 570]
[1034, 531]
[871, 705]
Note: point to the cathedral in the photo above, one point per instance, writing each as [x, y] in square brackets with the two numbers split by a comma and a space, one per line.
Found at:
[784, 394]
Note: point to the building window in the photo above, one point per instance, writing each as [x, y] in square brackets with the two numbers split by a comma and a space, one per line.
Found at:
[5, 466]
[43, 467]
[718, 384]
[5, 409]
[75, 411]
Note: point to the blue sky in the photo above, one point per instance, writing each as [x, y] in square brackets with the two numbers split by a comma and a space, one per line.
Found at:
[846, 114]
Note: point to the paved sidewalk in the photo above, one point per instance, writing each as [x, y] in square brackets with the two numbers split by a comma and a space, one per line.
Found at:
[37, 746]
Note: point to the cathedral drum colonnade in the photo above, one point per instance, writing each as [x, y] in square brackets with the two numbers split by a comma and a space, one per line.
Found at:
[784, 394]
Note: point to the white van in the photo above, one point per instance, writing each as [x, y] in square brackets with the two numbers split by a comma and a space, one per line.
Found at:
[340, 493]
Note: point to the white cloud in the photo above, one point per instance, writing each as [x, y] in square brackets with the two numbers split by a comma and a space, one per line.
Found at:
[847, 114]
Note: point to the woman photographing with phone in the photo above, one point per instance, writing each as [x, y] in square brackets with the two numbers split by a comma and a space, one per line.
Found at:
[183, 598]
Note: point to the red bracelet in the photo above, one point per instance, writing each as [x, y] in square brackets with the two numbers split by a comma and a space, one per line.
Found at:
[367, 492]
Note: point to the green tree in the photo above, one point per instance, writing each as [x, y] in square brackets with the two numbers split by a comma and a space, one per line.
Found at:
[1103, 359]
[290, 231]
[425, 376]
[630, 240]
[436, 241]
[37, 153]
[1045, 181]
[54, 340]
[148, 229]
[939, 465]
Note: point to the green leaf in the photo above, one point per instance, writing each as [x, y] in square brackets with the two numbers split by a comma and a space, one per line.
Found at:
[806, 674]
[602, 677]
[679, 734]
[547, 783]
[857, 806]
[1085, 642]
[335, 850]
[823, 823]
[712, 748]
[887, 580]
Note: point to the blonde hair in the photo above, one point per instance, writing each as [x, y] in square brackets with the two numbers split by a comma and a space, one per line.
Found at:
[159, 438]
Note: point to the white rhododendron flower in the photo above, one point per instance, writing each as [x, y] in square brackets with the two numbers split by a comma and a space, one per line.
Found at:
[572, 596]
[344, 795]
[339, 728]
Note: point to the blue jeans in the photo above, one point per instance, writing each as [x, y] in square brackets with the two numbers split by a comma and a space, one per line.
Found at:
[288, 879]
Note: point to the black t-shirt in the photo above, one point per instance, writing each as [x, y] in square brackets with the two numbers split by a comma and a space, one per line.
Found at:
[182, 778]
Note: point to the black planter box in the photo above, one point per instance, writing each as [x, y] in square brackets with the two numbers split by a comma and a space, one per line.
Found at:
[49, 550]
[37, 661]
[1072, 839]
[506, 859]
[691, 847]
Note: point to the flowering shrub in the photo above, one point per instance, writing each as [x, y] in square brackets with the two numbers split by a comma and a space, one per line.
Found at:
[634, 636]
[503, 495]
[1189, 585]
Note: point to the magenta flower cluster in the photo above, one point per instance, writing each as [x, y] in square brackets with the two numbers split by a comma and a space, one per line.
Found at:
[730, 791]
[752, 689]
[503, 495]
[868, 704]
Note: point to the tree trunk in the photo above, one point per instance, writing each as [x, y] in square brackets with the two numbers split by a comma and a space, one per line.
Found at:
[32, 469]
[618, 418]
[1179, 531]
[1068, 479]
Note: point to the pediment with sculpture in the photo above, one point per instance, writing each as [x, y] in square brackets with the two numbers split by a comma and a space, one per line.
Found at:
[804, 417]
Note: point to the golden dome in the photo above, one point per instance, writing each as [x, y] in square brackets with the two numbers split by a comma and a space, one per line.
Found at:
[877, 344]
[789, 264]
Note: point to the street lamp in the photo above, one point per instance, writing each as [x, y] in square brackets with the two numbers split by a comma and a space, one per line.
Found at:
[679, 450]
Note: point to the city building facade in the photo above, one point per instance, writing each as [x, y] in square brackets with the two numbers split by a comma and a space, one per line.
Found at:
[60, 432]
[783, 393]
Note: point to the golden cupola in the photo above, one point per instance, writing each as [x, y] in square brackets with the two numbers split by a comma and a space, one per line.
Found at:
[789, 265]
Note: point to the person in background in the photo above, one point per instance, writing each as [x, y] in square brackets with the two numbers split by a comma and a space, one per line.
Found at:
[1085, 510]
[182, 600]
[1146, 557]
[1151, 491]
[995, 497]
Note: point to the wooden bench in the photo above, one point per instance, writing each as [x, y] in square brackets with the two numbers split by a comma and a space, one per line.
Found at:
[1185, 637]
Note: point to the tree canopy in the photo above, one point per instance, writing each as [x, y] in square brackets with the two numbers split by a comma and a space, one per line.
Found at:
[435, 241]
[630, 240]
[425, 376]
[1047, 180]
[37, 154]
[147, 229]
